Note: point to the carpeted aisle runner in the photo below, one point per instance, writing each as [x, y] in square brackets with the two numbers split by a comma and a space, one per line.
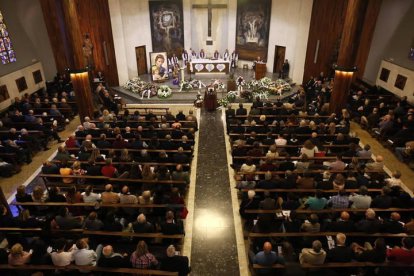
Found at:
[214, 250]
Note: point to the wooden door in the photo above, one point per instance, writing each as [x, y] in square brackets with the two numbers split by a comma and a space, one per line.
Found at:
[141, 55]
[279, 58]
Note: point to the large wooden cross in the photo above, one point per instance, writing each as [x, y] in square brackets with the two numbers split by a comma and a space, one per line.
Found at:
[209, 6]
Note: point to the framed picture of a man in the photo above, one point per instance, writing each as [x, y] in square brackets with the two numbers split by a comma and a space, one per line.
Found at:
[159, 66]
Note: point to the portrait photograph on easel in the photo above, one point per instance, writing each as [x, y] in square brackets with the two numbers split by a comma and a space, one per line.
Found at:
[159, 66]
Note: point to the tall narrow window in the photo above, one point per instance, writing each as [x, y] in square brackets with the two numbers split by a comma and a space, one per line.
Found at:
[7, 53]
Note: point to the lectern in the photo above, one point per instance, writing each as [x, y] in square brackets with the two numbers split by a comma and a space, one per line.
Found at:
[260, 71]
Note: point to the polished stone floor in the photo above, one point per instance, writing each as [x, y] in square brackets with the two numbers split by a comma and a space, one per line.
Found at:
[214, 248]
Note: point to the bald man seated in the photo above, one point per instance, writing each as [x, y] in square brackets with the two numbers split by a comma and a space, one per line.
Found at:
[393, 225]
[267, 257]
[109, 258]
[109, 196]
[343, 224]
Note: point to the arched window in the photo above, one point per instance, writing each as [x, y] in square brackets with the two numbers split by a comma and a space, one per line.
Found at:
[7, 53]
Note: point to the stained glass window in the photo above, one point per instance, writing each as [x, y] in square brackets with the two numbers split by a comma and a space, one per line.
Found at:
[7, 53]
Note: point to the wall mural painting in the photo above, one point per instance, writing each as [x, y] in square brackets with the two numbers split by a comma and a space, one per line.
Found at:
[167, 26]
[253, 24]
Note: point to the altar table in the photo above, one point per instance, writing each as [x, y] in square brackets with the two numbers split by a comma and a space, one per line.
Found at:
[200, 66]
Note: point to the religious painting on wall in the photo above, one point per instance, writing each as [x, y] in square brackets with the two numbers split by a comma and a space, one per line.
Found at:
[21, 84]
[4, 93]
[385, 73]
[252, 28]
[167, 26]
[400, 82]
[159, 66]
[37, 76]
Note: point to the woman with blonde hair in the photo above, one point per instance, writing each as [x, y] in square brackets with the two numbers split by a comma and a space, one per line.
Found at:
[145, 198]
[141, 258]
[308, 149]
[272, 153]
[18, 256]
[77, 170]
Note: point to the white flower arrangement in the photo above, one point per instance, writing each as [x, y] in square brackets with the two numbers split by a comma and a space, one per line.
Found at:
[197, 84]
[266, 82]
[229, 98]
[263, 95]
[218, 84]
[253, 84]
[232, 95]
[140, 87]
[164, 91]
[283, 85]
[193, 84]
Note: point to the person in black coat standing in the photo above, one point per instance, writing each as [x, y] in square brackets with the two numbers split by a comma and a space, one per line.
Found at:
[175, 263]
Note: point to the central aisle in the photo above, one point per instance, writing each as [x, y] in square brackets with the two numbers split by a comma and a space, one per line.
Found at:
[214, 250]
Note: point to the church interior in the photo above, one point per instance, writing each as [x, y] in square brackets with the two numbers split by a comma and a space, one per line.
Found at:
[207, 137]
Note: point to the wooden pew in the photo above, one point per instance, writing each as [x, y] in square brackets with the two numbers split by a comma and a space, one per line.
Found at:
[117, 270]
[283, 116]
[336, 265]
[136, 150]
[322, 234]
[327, 211]
[104, 180]
[298, 158]
[146, 109]
[94, 233]
[142, 139]
[103, 205]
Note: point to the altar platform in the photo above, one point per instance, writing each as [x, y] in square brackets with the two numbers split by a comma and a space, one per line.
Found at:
[188, 97]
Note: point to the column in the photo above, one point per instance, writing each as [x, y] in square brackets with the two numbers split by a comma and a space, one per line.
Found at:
[82, 88]
[348, 51]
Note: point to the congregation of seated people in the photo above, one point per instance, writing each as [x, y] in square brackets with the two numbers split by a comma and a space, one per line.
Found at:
[386, 117]
[285, 189]
[32, 121]
[157, 202]
[62, 253]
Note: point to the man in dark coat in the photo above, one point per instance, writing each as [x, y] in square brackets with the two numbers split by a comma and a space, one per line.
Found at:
[111, 259]
[175, 263]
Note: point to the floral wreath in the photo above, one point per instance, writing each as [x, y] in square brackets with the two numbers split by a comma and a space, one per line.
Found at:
[164, 91]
